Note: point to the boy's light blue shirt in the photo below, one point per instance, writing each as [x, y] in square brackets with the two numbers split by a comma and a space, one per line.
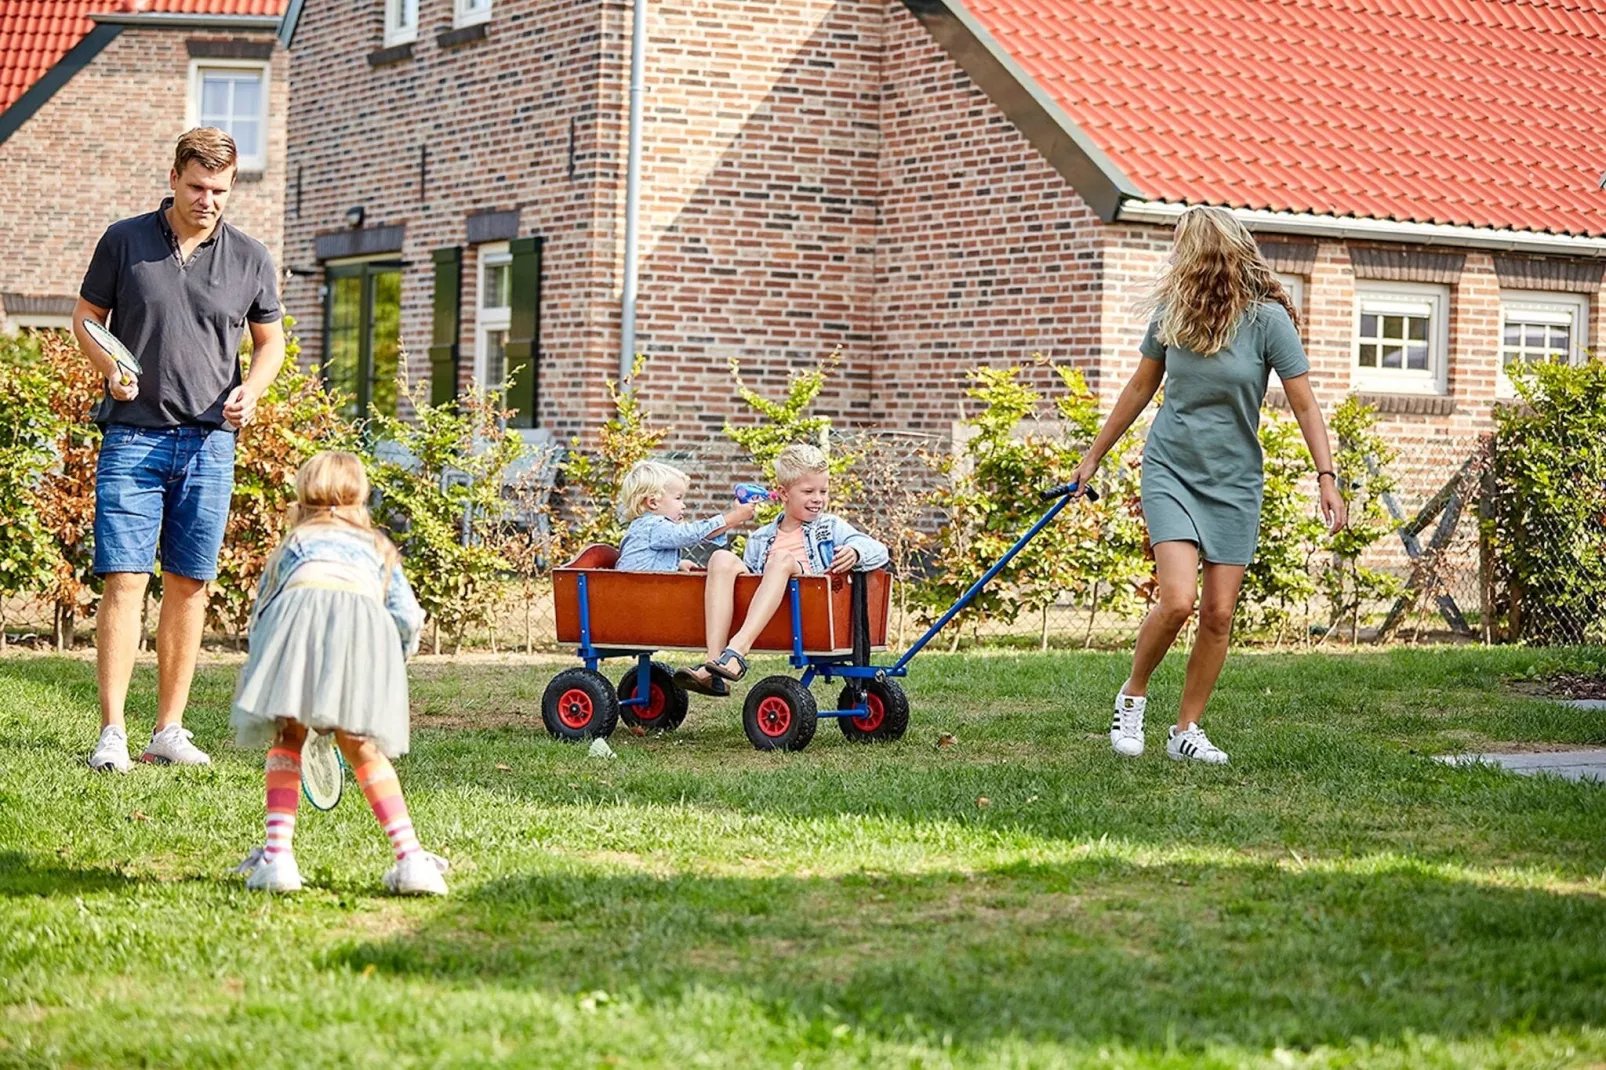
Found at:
[652, 543]
[824, 528]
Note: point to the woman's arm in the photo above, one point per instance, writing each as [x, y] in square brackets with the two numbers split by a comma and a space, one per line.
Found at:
[1135, 397]
[1309, 414]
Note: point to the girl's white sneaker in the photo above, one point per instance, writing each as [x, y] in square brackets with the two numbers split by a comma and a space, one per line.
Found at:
[1192, 744]
[277, 874]
[1126, 730]
[418, 874]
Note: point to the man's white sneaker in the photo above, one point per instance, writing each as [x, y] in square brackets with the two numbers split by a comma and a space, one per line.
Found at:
[277, 874]
[418, 874]
[172, 746]
[111, 753]
[1126, 730]
[1193, 745]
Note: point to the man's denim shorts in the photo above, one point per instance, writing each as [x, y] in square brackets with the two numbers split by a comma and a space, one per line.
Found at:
[167, 487]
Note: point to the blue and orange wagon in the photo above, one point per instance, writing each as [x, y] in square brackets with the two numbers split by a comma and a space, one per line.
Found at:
[830, 627]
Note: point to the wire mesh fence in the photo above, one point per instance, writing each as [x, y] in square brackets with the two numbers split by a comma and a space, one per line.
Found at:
[1474, 553]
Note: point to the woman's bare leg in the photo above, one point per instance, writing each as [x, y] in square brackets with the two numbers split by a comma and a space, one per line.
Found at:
[1176, 567]
[1216, 605]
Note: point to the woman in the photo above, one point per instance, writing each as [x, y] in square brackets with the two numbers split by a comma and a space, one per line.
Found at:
[1220, 323]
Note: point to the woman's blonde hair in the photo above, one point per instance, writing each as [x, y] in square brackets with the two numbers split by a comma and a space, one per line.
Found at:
[645, 481]
[1215, 276]
[332, 488]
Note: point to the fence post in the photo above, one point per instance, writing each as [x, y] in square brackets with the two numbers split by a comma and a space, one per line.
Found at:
[1486, 492]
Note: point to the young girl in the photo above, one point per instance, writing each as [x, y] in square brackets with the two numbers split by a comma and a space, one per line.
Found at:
[1221, 324]
[652, 497]
[804, 539]
[333, 625]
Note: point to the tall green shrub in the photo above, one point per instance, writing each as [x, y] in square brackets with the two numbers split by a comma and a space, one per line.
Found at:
[1280, 578]
[66, 493]
[1362, 460]
[440, 480]
[587, 509]
[28, 431]
[1546, 518]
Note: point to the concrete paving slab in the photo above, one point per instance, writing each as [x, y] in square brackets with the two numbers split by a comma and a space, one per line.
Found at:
[1587, 703]
[1570, 764]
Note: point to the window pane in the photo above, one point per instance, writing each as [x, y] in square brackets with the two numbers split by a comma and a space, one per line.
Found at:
[1533, 335]
[247, 97]
[1416, 358]
[1394, 328]
[1419, 329]
[495, 292]
[409, 12]
[247, 136]
[1368, 356]
[386, 341]
[214, 98]
[1510, 357]
[495, 359]
[1513, 335]
[1368, 326]
[1561, 339]
[345, 339]
[1393, 356]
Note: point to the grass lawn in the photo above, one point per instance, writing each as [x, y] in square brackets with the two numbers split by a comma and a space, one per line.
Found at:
[1332, 898]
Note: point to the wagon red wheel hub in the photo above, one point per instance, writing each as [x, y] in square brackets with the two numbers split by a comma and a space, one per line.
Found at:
[574, 708]
[774, 716]
[656, 700]
[874, 714]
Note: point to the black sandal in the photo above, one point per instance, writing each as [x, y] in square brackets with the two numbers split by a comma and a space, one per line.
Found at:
[717, 666]
[715, 687]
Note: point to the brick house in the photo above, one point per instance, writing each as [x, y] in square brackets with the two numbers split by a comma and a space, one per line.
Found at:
[933, 184]
[93, 94]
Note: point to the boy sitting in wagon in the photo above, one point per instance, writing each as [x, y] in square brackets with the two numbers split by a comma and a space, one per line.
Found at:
[803, 540]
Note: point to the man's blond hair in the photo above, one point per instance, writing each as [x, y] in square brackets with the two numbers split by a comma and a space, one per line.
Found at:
[208, 146]
[797, 461]
[645, 481]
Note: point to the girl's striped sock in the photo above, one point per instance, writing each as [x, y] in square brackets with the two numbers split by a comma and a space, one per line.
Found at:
[284, 794]
[383, 791]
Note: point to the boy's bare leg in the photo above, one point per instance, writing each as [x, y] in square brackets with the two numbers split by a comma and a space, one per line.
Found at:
[719, 605]
[766, 600]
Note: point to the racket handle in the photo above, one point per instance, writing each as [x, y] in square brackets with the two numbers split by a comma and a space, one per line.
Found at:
[1068, 488]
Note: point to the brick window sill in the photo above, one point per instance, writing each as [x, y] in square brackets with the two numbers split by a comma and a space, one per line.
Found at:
[381, 57]
[463, 35]
[1385, 404]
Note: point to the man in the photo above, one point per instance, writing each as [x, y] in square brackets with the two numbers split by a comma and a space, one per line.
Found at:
[179, 285]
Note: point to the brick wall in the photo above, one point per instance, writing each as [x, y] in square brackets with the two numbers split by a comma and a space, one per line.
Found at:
[984, 254]
[55, 201]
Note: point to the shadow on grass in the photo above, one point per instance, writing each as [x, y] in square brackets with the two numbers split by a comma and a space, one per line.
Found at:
[21, 877]
[1096, 950]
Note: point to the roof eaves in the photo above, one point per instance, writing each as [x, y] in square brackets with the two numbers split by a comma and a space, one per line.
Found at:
[287, 25]
[1093, 175]
[186, 20]
[77, 58]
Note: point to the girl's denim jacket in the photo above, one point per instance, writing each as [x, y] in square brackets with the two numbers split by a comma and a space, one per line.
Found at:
[652, 543]
[343, 546]
[822, 529]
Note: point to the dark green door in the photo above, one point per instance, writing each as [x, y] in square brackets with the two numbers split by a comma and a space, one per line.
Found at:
[362, 335]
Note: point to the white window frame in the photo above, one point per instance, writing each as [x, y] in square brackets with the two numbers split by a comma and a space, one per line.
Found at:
[465, 14]
[192, 114]
[395, 32]
[1383, 298]
[1548, 304]
[491, 254]
[37, 321]
[1295, 285]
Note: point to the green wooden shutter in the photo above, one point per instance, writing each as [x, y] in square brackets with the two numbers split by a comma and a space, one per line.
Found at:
[444, 350]
[524, 331]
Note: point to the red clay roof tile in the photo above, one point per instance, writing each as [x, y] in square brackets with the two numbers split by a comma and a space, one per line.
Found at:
[1473, 112]
[36, 34]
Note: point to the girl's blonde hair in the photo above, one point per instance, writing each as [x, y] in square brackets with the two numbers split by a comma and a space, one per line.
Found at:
[645, 481]
[1215, 275]
[797, 461]
[332, 488]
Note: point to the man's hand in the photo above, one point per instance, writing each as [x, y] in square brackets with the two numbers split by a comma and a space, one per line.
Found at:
[241, 408]
[845, 559]
[122, 388]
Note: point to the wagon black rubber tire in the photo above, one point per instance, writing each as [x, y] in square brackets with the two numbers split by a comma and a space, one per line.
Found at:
[578, 705]
[779, 714]
[671, 706]
[889, 713]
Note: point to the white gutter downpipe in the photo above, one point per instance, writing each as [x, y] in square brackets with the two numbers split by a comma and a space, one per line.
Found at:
[627, 318]
[1346, 227]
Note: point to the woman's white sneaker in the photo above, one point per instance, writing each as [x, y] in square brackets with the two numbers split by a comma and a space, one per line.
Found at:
[1126, 730]
[1193, 745]
[418, 874]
